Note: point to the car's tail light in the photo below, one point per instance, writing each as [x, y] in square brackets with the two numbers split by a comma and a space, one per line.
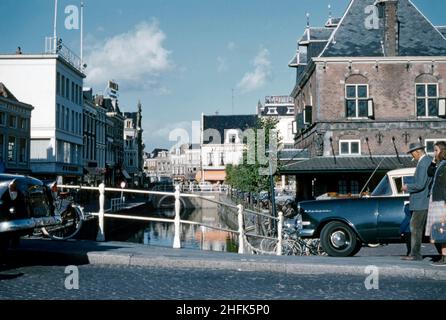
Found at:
[13, 190]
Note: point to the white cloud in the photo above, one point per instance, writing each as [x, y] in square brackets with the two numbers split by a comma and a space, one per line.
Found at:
[135, 59]
[221, 64]
[231, 46]
[165, 130]
[262, 72]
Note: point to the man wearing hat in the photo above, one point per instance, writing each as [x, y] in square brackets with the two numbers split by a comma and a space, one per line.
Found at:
[419, 198]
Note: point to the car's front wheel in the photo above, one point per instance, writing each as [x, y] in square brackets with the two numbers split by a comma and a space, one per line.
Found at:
[339, 240]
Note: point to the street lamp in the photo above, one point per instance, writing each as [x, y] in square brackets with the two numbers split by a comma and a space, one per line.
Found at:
[272, 190]
[273, 195]
[122, 192]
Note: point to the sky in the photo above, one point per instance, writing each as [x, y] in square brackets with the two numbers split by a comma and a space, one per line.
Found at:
[181, 58]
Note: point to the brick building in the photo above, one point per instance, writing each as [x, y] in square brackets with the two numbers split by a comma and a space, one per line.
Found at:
[367, 85]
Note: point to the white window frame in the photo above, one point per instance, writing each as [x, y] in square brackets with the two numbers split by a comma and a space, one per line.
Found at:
[426, 99]
[357, 99]
[434, 141]
[272, 110]
[350, 147]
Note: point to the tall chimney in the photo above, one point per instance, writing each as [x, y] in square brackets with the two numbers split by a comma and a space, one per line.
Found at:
[391, 26]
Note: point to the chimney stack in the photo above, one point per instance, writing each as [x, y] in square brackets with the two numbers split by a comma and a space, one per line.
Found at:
[391, 26]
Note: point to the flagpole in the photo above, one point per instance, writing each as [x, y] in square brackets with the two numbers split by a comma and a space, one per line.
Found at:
[82, 33]
[55, 25]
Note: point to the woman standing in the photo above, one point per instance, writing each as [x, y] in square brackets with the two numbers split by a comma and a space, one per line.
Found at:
[437, 208]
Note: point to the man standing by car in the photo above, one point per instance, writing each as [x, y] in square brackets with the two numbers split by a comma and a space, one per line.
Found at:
[419, 198]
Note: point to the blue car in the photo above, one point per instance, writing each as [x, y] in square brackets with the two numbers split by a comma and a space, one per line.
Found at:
[344, 224]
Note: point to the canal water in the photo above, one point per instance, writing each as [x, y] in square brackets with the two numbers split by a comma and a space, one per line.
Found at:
[192, 236]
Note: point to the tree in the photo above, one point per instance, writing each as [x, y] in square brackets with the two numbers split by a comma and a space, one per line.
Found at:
[247, 176]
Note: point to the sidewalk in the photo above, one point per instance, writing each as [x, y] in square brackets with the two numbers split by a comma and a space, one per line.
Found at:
[119, 253]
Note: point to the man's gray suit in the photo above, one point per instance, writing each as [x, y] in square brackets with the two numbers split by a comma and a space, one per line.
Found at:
[419, 203]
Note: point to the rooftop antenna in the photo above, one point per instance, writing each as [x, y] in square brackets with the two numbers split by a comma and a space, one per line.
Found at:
[308, 19]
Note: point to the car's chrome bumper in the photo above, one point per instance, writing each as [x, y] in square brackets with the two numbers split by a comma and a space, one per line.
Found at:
[17, 225]
[27, 224]
[306, 233]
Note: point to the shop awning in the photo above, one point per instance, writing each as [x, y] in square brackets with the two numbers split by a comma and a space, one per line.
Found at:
[211, 175]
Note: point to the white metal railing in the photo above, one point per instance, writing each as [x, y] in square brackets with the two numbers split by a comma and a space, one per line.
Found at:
[176, 221]
[116, 204]
[55, 46]
[204, 188]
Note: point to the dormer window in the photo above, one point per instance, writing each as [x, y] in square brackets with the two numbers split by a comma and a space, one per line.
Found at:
[272, 110]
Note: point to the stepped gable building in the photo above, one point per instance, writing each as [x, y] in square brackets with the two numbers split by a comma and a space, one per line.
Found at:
[367, 85]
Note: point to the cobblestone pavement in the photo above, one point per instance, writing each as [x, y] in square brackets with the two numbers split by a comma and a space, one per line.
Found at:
[122, 282]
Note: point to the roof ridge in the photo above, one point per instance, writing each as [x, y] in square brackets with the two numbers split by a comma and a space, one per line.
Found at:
[333, 34]
[427, 19]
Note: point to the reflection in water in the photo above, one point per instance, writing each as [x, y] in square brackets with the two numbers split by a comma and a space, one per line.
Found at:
[192, 236]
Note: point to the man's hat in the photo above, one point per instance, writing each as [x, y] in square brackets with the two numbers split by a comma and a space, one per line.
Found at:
[415, 146]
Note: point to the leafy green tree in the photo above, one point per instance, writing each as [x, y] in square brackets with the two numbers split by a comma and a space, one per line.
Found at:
[247, 176]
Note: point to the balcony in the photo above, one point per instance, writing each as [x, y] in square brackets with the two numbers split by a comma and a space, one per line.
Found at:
[54, 46]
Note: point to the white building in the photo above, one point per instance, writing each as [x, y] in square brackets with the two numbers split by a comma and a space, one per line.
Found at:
[158, 165]
[186, 162]
[222, 144]
[282, 109]
[53, 85]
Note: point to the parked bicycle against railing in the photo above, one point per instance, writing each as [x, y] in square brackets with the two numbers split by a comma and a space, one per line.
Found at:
[292, 244]
[69, 215]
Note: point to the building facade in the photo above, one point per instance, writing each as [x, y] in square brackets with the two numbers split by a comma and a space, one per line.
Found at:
[15, 133]
[186, 161]
[367, 85]
[94, 139]
[52, 83]
[114, 132]
[158, 166]
[133, 145]
[280, 108]
[222, 143]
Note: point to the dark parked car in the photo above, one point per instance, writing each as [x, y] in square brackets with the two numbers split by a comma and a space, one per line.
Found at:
[24, 205]
[28, 205]
[344, 224]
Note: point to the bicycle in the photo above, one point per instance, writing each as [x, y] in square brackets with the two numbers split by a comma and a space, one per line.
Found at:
[68, 214]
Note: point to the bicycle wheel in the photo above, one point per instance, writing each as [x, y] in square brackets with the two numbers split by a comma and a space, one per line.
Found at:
[70, 225]
[290, 248]
[315, 248]
[267, 245]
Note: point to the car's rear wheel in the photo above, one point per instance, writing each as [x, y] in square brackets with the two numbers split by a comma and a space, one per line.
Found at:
[339, 240]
